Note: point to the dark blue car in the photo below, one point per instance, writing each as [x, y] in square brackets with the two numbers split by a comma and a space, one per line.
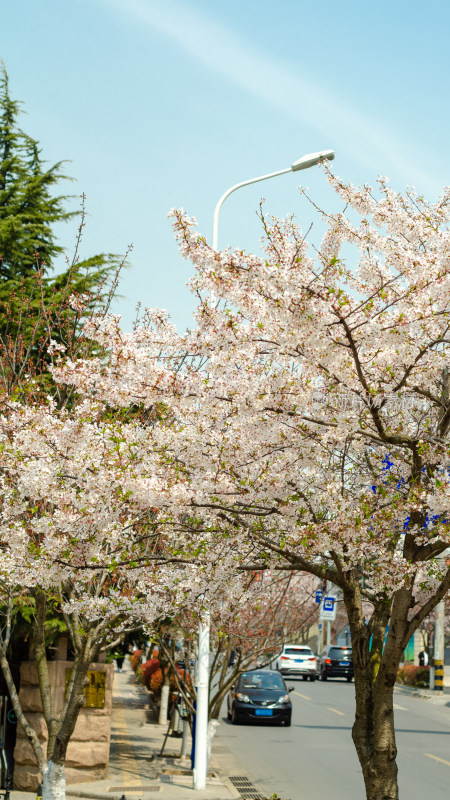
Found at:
[260, 696]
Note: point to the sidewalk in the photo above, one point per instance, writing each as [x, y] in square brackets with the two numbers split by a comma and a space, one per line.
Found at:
[135, 770]
[436, 697]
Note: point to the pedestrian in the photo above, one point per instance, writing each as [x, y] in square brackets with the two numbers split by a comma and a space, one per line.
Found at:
[423, 658]
[119, 661]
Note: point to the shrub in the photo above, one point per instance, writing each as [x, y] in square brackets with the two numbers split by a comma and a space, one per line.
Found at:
[410, 675]
[147, 670]
[136, 660]
[156, 681]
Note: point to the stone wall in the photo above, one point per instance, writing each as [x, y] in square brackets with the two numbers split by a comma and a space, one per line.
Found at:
[88, 750]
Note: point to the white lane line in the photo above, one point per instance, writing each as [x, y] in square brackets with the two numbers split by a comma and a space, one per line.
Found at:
[341, 713]
[399, 708]
[436, 758]
[301, 695]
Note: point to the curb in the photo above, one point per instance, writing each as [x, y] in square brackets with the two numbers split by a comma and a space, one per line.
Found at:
[138, 790]
[425, 694]
[96, 795]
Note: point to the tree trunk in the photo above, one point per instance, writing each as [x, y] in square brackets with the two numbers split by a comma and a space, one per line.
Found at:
[375, 669]
[12, 691]
[215, 705]
[373, 735]
[40, 659]
[164, 706]
[54, 782]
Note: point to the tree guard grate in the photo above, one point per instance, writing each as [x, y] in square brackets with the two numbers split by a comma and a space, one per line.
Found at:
[245, 787]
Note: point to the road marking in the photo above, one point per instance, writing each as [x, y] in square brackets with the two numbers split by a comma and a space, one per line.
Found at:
[436, 758]
[399, 708]
[301, 695]
[341, 713]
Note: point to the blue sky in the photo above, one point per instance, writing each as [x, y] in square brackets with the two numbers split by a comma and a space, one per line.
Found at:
[168, 103]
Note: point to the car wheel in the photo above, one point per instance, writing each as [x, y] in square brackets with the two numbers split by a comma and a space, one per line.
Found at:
[234, 719]
[305, 677]
[287, 723]
[312, 678]
[349, 678]
[323, 676]
[228, 714]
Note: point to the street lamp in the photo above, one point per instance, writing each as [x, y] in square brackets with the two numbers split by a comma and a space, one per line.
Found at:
[305, 162]
[201, 722]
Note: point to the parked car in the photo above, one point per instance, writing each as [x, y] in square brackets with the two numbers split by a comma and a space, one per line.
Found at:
[336, 662]
[297, 659]
[260, 696]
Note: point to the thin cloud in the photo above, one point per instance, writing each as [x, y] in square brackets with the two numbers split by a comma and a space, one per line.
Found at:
[228, 54]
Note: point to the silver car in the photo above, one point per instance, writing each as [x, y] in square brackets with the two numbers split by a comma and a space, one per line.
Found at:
[297, 659]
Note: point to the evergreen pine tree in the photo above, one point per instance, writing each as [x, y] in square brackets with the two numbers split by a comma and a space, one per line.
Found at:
[27, 207]
[34, 302]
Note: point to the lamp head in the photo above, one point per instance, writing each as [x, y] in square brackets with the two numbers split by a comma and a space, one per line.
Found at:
[312, 159]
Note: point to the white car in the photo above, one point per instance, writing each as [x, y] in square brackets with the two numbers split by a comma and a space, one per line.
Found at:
[297, 659]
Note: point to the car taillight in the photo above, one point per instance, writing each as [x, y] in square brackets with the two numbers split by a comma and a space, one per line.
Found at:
[328, 661]
[311, 659]
[284, 658]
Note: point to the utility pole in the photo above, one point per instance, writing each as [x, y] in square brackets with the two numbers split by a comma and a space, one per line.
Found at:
[439, 643]
[437, 668]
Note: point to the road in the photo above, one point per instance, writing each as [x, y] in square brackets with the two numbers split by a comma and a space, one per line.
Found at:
[315, 757]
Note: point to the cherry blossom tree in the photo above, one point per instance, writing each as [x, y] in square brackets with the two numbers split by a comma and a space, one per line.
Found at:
[248, 630]
[80, 536]
[310, 419]
[337, 412]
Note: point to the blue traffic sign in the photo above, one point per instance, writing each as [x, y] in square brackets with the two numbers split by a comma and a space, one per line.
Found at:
[319, 594]
[328, 603]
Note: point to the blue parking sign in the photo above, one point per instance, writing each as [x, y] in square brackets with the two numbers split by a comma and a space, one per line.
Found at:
[319, 594]
[328, 603]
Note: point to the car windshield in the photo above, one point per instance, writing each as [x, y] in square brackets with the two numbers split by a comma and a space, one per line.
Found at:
[339, 652]
[261, 680]
[297, 651]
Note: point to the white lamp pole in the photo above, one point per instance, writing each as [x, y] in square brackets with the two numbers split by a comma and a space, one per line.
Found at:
[305, 162]
[201, 713]
[201, 721]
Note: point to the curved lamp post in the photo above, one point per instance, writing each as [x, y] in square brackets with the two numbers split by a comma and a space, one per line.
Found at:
[201, 725]
[305, 162]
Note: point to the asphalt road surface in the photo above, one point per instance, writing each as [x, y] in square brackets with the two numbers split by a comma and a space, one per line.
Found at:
[315, 757]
